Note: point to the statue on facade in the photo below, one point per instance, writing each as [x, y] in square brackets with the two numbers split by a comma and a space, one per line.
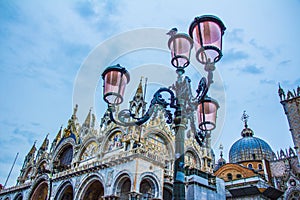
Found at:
[281, 93]
[290, 95]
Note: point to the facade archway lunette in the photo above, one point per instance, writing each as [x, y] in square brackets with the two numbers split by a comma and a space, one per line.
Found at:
[61, 189]
[86, 182]
[153, 181]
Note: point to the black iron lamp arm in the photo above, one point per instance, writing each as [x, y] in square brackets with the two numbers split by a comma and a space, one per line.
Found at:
[157, 99]
[203, 86]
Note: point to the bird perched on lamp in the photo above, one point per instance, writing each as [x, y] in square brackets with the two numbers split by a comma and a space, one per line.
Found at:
[172, 32]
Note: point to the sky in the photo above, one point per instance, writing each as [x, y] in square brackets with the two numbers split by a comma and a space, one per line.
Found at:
[52, 54]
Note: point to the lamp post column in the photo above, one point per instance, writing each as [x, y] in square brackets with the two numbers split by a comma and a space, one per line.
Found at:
[180, 122]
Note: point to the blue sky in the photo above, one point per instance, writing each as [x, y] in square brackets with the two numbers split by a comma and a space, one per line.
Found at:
[45, 46]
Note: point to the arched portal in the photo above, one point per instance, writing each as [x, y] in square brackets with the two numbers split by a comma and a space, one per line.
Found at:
[94, 190]
[40, 192]
[65, 192]
[147, 189]
[123, 188]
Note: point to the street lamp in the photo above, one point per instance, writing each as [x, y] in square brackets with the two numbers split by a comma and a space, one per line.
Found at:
[207, 32]
[115, 80]
[206, 35]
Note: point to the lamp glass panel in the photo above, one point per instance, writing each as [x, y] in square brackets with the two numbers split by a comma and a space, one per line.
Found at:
[180, 46]
[209, 35]
[207, 112]
[114, 87]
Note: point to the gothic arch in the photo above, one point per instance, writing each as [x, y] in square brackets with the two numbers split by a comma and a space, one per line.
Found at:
[90, 183]
[122, 185]
[149, 186]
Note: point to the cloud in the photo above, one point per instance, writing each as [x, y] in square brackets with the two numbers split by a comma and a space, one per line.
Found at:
[235, 36]
[265, 51]
[252, 69]
[284, 63]
[267, 81]
[85, 9]
[233, 55]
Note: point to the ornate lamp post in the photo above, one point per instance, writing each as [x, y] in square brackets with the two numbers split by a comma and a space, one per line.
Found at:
[206, 35]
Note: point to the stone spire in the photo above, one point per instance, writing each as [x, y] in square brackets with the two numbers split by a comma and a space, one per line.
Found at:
[90, 120]
[71, 128]
[56, 139]
[43, 149]
[58, 135]
[44, 146]
[33, 149]
[138, 104]
[29, 159]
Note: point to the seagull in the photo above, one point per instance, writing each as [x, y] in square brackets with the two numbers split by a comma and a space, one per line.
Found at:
[172, 32]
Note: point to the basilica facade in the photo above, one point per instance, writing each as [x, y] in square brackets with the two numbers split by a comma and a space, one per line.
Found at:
[114, 162]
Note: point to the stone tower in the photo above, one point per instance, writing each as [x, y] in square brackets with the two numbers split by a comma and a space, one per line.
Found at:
[291, 106]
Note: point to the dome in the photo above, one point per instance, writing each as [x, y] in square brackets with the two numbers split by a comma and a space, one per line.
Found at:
[250, 148]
